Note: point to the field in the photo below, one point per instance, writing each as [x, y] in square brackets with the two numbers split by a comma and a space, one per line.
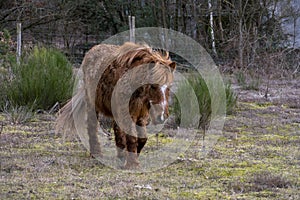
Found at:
[257, 157]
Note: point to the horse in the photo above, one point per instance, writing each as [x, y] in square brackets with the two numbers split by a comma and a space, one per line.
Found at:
[104, 66]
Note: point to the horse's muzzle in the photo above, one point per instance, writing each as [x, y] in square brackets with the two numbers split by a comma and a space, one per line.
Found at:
[160, 120]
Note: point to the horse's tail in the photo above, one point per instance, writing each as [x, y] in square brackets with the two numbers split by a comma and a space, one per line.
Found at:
[73, 111]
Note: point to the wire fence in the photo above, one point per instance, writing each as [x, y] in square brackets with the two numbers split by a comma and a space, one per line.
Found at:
[76, 45]
[73, 45]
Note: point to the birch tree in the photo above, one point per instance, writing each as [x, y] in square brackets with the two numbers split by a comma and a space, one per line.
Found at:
[211, 23]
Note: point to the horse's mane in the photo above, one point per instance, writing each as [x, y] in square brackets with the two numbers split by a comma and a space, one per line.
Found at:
[129, 53]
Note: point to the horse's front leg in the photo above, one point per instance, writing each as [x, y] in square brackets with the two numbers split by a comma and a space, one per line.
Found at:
[131, 145]
[135, 141]
[142, 134]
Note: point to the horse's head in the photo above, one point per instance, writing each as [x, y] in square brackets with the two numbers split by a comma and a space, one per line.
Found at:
[159, 102]
[158, 94]
[156, 69]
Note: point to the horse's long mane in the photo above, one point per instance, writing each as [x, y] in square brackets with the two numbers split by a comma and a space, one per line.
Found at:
[130, 52]
[131, 55]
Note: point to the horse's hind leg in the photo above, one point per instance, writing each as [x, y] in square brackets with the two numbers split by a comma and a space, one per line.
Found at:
[92, 121]
[120, 139]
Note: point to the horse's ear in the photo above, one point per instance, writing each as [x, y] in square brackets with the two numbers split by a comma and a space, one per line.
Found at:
[172, 65]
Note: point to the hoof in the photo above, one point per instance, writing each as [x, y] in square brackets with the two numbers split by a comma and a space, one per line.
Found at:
[132, 166]
[95, 151]
[96, 155]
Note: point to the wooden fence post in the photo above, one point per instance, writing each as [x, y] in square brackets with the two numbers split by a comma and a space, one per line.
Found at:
[19, 42]
[131, 20]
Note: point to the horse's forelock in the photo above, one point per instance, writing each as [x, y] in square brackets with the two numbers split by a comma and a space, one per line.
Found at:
[162, 74]
[129, 52]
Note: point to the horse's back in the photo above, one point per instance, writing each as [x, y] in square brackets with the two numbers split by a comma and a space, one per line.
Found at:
[94, 64]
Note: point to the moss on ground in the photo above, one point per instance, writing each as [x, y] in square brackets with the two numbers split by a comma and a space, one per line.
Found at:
[256, 158]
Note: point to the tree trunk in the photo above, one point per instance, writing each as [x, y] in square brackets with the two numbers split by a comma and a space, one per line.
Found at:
[196, 21]
[220, 20]
[183, 14]
[241, 38]
[211, 23]
[176, 15]
[164, 21]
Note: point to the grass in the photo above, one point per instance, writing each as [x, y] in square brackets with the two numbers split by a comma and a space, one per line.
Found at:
[252, 83]
[19, 114]
[256, 158]
[195, 91]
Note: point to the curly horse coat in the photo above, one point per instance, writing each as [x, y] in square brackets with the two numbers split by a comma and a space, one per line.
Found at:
[103, 66]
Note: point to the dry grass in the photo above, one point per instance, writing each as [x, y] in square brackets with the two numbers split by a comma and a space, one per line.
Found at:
[256, 158]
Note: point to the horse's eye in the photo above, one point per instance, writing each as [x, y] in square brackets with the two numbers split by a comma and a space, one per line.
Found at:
[153, 87]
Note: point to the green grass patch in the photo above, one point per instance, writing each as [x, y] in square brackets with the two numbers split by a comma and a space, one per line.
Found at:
[195, 91]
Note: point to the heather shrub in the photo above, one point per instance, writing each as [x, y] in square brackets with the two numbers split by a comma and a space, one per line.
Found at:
[43, 78]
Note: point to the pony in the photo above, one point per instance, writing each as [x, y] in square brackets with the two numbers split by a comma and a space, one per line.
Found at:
[104, 67]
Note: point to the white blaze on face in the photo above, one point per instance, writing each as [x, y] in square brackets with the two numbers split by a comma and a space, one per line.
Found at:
[163, 104]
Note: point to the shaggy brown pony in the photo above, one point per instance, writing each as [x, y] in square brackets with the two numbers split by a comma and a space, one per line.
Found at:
[103, 66]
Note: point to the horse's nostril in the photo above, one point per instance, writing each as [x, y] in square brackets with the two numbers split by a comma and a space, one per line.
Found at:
[160, 119]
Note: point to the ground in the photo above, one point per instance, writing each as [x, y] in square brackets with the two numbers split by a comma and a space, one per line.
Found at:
[257, 157]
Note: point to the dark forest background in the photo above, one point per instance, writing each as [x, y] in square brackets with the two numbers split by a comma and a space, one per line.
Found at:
[247, 33]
